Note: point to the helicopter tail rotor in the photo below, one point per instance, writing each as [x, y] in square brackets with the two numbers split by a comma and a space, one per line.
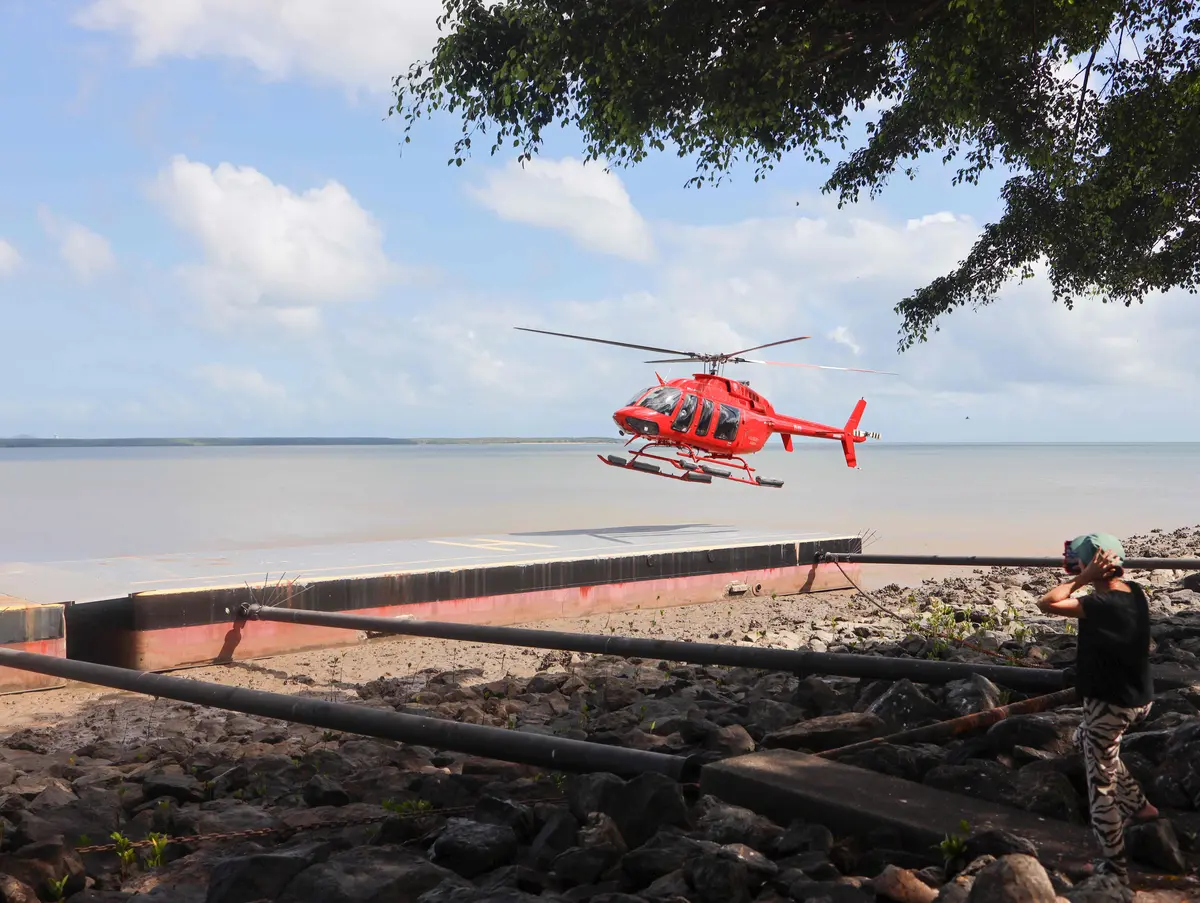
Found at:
[852, 434]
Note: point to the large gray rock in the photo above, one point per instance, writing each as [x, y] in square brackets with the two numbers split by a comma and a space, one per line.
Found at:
[1100, 889]
[664, 854]
[723, 823]
[903, 706]
[471, 848]
[13, 890]
[638, 807]
[383, 874]
[902, 886]
[718, 879]
[1042, 731]
[1015, 878]
[1155, 844]
[975, 694]
[245, 879]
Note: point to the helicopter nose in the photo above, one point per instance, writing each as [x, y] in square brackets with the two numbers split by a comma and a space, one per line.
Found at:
[634, 420]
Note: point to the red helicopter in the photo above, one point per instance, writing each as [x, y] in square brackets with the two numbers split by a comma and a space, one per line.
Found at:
[710, 420]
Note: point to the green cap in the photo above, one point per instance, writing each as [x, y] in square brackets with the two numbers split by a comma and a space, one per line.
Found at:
[1084, 548]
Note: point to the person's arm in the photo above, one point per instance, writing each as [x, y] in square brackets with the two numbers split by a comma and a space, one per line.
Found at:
[1059, 602]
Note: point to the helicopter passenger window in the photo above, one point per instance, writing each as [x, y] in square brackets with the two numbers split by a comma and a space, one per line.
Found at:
[687, 410]
[727, 423]
[705, 418]
[662, 400]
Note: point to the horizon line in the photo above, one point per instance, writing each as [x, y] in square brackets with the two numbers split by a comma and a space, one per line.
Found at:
[25, 441]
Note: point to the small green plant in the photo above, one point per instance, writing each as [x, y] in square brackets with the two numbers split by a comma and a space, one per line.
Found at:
[560, 781]
[58, 888]
[158, 850]
[407, 807]
[85, 840]
[125, 852]
[954, 846]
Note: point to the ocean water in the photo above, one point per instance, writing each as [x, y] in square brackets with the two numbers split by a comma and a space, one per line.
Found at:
[70, 504]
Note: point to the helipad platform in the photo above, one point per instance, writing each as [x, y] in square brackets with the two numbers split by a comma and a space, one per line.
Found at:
[167, 611]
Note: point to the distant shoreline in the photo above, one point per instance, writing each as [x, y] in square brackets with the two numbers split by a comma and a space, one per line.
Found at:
[31, 442]
[17, 442]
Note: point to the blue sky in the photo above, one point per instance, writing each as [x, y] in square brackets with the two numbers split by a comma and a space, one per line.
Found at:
[209, 227]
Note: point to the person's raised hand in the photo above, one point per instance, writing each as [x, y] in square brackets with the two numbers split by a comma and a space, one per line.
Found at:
[1103, 566]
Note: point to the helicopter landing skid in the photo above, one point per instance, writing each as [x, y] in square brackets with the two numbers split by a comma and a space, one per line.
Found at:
[695, 468]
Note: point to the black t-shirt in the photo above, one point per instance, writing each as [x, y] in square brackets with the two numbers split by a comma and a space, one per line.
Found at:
[1112, 660]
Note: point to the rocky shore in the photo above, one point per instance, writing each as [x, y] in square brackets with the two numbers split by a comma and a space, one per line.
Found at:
[323, 817]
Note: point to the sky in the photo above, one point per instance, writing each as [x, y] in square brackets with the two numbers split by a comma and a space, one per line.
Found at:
[209, 226]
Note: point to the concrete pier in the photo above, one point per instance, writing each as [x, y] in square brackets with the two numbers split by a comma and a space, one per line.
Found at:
[169, 611]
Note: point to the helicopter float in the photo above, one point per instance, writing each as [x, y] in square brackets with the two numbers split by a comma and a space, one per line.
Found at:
[710, 421]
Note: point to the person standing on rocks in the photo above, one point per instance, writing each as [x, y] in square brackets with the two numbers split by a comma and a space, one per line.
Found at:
[1113, 679]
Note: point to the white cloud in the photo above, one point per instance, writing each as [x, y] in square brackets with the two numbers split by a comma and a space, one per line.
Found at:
[358, 44]
[584, 200]
[87, 253]
[245, 382]
[842, 336]
[271, 252]
[10, 259]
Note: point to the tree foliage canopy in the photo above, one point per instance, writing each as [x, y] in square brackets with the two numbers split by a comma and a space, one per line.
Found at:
[1105, 186]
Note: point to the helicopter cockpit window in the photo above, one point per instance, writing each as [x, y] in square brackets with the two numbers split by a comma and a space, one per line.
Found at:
[705, 420]
[727, 423]
[636, 396]
[662, 400]
[687, 411]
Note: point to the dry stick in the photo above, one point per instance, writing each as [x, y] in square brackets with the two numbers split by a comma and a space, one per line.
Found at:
[944, 730]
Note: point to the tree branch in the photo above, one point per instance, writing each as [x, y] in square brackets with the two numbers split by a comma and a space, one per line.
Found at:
[1087, 72]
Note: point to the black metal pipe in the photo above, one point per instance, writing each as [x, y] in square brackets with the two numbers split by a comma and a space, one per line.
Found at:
[1000, 561]
[796, 661]
[557, 753]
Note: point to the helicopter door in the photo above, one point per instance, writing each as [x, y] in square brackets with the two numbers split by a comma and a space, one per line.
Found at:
[687, 412]
[705, 419]
[728, 421]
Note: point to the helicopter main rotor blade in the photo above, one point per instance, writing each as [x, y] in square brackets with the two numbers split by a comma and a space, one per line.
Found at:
[676, 360]
[817, 366]
[799, 338]
[584, 338]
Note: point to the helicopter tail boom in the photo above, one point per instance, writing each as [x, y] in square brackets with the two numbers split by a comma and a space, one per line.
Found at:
[847, 435]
